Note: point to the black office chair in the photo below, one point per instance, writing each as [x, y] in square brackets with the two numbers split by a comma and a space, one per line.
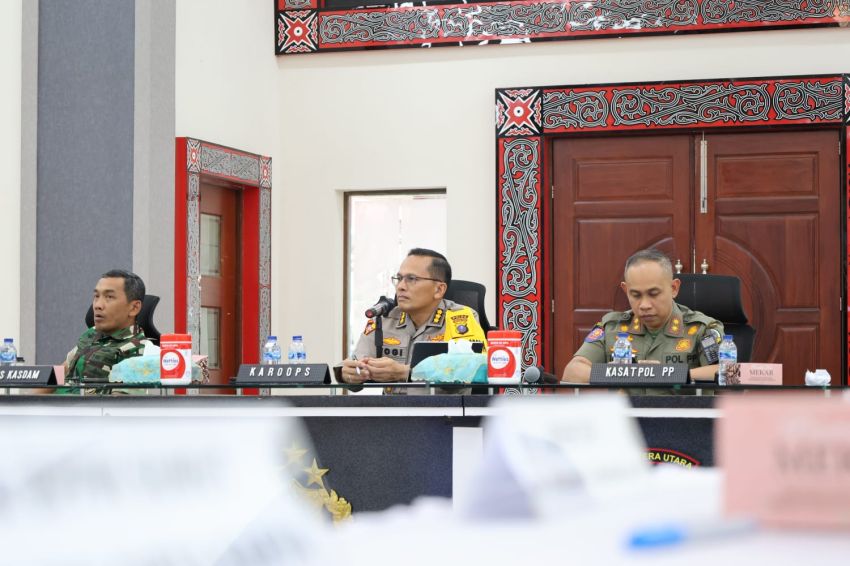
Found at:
[143, 319]
[471, 295]
[719, 296]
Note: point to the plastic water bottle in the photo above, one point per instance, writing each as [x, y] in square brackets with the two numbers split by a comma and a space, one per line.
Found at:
[728, 355]
[622, 350]
[8, 353]
[271, 351]
[297, 353]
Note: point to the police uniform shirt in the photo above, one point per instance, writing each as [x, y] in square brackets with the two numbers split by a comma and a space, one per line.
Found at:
[450, 320]
[689, 337]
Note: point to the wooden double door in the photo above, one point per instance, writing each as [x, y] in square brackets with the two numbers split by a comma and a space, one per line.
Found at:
[765, 207]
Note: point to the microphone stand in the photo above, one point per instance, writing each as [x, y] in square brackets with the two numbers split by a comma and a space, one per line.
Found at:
[379, 336]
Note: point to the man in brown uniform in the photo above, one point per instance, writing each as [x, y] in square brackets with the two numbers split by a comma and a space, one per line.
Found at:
[422, 314]
[660, 330]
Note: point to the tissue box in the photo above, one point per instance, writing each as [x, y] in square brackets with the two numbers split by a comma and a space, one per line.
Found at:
[452, 368]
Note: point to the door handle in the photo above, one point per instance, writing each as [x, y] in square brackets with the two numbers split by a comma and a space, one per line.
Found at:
[704, 266]
[703, 176]
[678, 266]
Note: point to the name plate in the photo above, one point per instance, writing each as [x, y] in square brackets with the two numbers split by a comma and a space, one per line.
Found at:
[279, 374]
[786, 459]
[760, 374]
[27, 375]
[638, 374]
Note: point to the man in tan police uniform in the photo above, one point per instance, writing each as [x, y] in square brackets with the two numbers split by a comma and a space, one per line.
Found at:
[660, 330]
[422, 314]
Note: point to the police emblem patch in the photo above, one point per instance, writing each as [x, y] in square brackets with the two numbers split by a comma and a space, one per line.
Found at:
[370, 327]
[692, 330]
[595, 335]
[683, 345]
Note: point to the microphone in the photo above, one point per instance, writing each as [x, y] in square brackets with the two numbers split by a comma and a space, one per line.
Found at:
[536, 375]
[381, 308]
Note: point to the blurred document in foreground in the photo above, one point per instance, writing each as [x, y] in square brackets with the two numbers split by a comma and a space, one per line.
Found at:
[152, 490]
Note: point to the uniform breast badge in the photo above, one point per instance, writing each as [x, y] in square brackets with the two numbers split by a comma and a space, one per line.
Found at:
[459, 321]
[595, 335]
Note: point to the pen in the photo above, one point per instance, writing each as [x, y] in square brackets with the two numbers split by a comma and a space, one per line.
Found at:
[356, 368]
[665, 535]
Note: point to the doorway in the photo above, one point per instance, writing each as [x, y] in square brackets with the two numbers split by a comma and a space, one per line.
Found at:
[221, 269]
[766, 210]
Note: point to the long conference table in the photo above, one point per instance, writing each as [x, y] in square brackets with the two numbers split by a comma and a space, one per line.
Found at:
[382, 450]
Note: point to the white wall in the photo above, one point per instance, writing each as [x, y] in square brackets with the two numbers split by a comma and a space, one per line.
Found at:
[409, 118]
[226, 80]
[10, 165]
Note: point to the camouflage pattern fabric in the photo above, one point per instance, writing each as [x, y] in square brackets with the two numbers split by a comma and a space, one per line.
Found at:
[95, 354]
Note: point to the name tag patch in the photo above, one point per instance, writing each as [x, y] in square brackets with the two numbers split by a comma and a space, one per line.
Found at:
[394, 352]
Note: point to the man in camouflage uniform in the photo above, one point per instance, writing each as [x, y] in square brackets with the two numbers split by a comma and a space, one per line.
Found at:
[114, 337]
[422, 315]
[660, 330]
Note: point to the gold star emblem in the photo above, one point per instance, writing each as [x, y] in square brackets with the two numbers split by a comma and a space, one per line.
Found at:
[314, 474]
[624, 327]
[294, 454]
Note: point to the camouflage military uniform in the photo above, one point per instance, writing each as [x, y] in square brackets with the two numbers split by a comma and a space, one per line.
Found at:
[95, 354]
[689, 337]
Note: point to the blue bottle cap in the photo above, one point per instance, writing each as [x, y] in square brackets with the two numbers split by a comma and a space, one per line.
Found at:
[296, 338]
[728, 337]
[272, 338]
[622, 335]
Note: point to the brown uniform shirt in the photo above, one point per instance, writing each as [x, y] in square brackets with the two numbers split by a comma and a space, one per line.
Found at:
[690, 337]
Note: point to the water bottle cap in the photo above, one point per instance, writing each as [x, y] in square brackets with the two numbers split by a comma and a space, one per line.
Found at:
[296, 338]
[728, 337]
[622, 335]
[8, 340]
[273, 338]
